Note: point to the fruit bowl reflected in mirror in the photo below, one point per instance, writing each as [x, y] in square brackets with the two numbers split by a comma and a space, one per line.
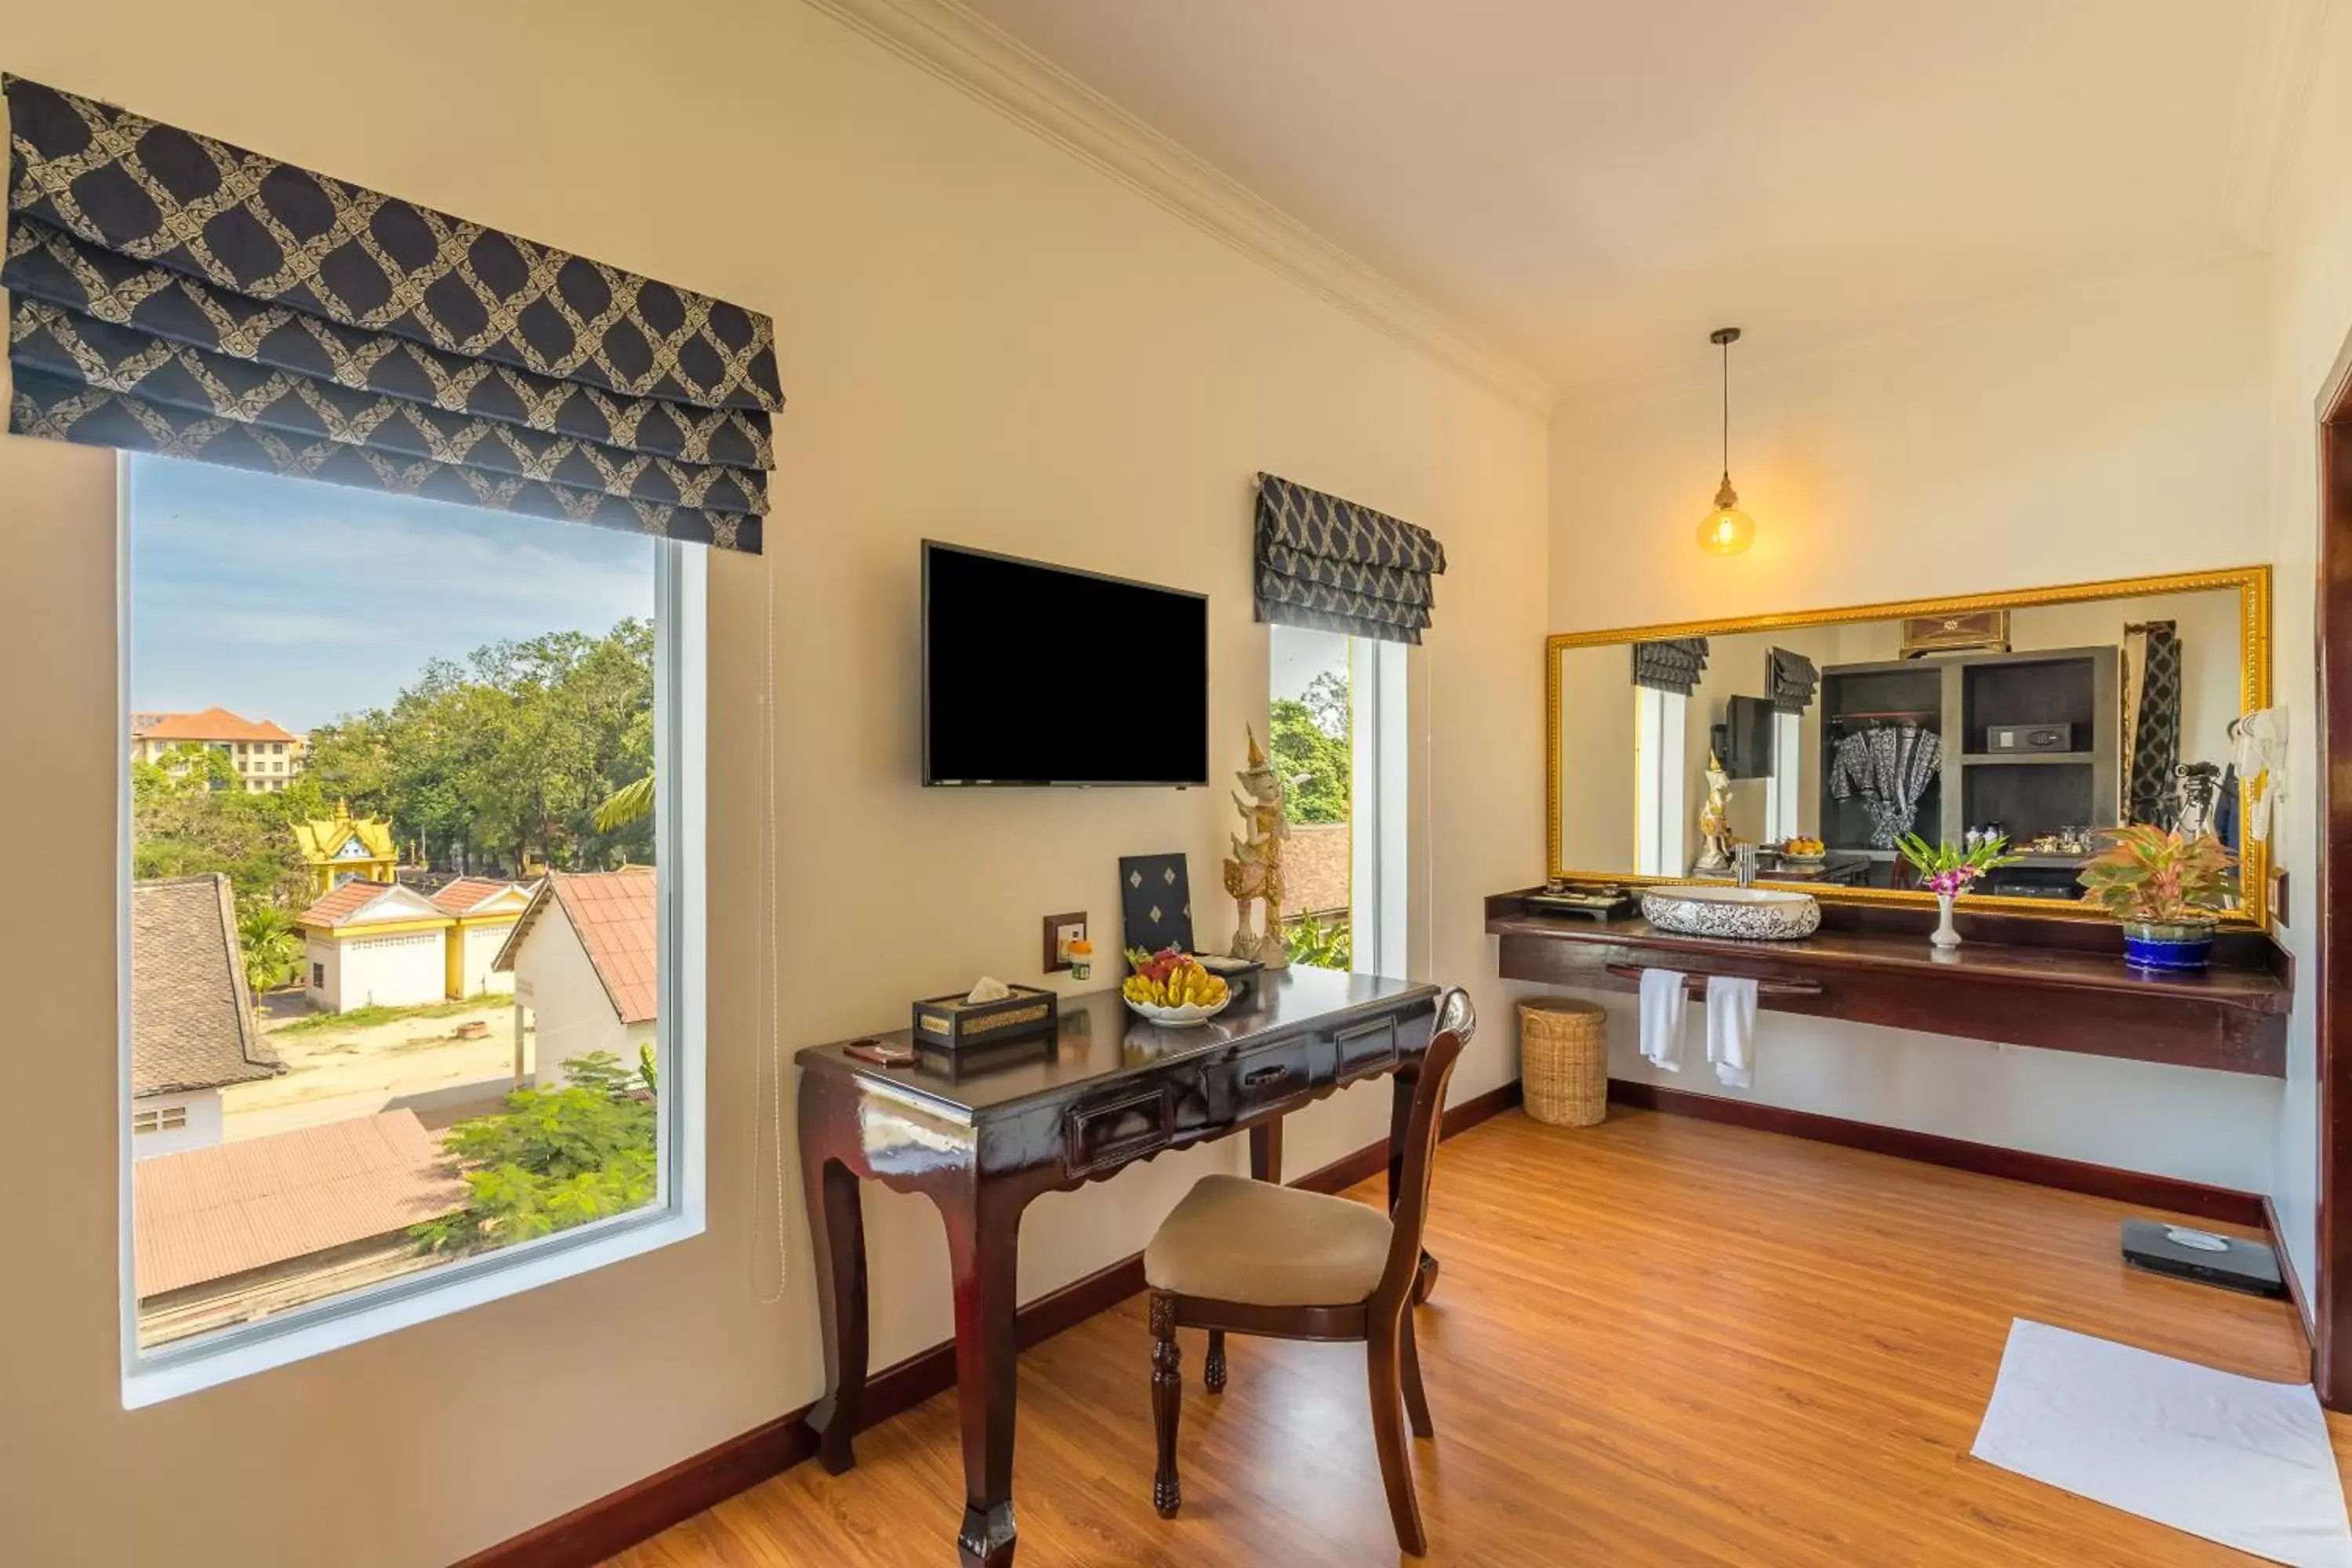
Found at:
[1171, 988]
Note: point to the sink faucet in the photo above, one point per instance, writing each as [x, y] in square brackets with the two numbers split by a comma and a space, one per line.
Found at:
[1743, 864]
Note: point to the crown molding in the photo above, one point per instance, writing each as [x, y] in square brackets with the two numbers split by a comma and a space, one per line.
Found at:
[969, 52]
[2274, 88]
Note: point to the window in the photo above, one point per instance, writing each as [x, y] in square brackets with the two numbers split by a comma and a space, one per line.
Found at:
[168, 1119]
[1336, 733]
[546, 667]
[1660, 720]
[1784, 792]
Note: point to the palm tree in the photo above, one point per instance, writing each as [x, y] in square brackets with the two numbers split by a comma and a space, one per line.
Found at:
[271, 949]
[630, 803]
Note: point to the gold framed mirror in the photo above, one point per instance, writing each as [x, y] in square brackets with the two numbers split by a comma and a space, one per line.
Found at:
[2044, 714]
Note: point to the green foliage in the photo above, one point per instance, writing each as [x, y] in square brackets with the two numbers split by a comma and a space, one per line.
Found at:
[372, 1015]
[2155, 875]
[508, 756]
[1310, 740]
[271, 947]
[552, 1159]
[1311, 942]
[183, 827]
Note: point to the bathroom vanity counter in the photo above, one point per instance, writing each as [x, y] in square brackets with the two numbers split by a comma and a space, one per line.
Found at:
[2057, 984]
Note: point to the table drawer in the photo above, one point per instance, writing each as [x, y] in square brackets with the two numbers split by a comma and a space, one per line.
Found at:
[1367, 1047]
[1108, 1132]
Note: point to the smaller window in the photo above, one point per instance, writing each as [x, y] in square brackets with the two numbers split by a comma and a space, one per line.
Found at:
[318, 975]
[165, 1119]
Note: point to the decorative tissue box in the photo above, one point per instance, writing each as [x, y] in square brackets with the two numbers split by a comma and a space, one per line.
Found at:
[952, 1024]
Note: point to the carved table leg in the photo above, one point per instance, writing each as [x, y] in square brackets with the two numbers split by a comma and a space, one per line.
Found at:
[1265, 1151]
[837, 1229]
[983, 1239]
[1400, 1120]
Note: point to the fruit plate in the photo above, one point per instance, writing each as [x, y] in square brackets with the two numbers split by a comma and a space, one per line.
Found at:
[1182, 1017]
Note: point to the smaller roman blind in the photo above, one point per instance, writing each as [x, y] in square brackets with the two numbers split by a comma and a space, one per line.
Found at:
[1793, 680]
[1670, 664]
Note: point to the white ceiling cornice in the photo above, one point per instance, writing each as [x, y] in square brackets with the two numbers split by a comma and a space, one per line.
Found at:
[974, 54]
[2274, 85]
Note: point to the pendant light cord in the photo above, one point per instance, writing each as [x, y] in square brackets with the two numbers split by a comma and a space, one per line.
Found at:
[1726, 408]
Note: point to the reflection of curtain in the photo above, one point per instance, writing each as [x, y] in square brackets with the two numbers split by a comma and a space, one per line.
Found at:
[1792, 678]
[1890, 767]
[2156, 730]
[2127, 693]
[1670, 664]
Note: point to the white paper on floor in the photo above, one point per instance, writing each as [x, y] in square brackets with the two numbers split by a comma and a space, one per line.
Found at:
[2234, 1460]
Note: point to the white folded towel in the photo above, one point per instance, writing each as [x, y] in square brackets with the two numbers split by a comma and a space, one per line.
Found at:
[1730, 1029]
[1662, 1019]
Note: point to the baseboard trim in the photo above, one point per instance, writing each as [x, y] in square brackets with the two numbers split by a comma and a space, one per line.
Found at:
[2167, 1192]
[643, 1509]
[2286, 1271]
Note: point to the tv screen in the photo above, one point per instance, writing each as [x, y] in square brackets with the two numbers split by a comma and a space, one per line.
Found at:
[1040, 675]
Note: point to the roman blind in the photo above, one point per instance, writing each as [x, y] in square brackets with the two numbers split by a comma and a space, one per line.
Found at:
[171, 293]
[1670, 664]
[1793, 678]
[1331, 565]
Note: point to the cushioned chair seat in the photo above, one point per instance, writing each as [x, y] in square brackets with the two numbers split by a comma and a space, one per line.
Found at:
[1234, 1239]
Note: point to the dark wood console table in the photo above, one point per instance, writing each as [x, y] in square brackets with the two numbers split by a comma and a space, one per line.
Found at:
[984, 1134]
[2061, 984]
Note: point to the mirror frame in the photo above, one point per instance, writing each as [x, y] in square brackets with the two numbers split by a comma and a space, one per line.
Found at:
[2251, 584]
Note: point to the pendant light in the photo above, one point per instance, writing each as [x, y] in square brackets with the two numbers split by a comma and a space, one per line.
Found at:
[1728, 531]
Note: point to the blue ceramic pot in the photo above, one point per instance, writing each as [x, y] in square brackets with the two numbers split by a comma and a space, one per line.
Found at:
[2152, 945]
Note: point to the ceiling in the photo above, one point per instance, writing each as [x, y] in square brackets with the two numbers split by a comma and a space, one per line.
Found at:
[1593, 187]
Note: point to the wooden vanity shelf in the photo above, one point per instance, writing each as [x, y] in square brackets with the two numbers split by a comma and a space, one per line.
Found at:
[2060, 985]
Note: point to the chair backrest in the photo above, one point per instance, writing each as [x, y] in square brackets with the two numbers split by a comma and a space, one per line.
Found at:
[1456, 1024]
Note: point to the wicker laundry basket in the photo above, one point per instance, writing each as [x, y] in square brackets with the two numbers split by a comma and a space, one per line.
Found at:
[1564, 1061]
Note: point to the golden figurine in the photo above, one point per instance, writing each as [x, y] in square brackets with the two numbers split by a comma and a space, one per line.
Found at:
[1254, 871]
[1714, 821]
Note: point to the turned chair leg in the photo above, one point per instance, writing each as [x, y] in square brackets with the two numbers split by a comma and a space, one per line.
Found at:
[1167, 1402]
[1416, 1402]
[1383, 1354]
[1213, 1372]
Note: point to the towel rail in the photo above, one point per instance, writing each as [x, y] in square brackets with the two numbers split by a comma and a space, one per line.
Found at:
[1695, 984]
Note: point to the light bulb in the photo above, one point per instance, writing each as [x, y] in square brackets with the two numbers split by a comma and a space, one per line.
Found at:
[1728, 531]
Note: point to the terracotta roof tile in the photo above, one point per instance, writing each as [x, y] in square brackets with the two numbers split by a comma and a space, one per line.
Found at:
[191, 1016]
[467, 894]
[346, 903]
[212, 724]
[612, 913]
[207, 1213]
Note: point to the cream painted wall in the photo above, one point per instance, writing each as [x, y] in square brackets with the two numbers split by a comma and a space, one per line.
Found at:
[2100, 430]
[984, 340]
[2310, 318]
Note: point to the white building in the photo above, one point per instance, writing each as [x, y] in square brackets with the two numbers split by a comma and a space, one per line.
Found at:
[192, 1028]
[372, 945]
[485, 910]
[583, 964]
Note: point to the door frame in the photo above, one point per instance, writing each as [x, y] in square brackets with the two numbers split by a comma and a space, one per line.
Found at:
[2332, 1298]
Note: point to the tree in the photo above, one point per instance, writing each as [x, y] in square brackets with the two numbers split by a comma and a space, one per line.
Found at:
[270, 946]
[182, 827]
[1311, 750]
[552, 1159]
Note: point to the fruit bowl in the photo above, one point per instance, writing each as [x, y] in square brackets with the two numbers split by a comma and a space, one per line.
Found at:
[1171, 988]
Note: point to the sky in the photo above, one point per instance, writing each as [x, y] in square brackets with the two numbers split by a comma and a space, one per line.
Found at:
[297, 602]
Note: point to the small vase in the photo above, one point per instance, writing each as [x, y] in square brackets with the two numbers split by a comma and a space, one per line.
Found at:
[1946, 936]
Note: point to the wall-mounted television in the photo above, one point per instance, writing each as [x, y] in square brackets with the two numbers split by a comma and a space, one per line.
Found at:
[1043, 675]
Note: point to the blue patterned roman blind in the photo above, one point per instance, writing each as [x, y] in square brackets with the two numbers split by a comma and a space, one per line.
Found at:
[1339, 567]
[171, 293]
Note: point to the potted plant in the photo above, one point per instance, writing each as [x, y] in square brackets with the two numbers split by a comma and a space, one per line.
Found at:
[1947, 872]
[2166, 890]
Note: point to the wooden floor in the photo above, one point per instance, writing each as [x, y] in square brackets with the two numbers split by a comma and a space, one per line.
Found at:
[1655, 1342]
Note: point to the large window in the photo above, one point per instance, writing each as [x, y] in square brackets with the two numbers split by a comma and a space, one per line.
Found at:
[419, 1007]
[1338, 736]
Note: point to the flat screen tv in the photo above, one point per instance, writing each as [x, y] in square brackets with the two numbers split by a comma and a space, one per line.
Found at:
[1042, 675]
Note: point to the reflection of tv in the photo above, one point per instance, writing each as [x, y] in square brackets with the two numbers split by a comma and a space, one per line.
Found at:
[1743, 741]
[1040, 675]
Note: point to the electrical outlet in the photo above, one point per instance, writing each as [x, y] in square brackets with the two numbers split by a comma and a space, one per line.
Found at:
[1060, 931]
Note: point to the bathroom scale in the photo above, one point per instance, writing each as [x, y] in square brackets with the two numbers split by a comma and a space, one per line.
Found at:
[2207, 1257]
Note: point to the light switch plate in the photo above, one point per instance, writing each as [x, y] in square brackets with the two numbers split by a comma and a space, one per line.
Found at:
[1060, 931]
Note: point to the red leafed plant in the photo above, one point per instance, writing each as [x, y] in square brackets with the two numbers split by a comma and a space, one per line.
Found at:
[2154, 875]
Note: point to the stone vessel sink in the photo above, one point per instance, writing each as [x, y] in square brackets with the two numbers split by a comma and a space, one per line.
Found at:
[1748, 914]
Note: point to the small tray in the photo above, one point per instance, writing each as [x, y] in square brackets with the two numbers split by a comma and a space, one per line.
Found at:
[952, 1024]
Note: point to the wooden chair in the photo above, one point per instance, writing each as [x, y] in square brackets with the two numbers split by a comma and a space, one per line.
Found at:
[1251, 1258]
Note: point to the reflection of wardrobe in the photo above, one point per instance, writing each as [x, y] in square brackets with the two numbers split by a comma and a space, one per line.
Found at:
[1959, 698]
